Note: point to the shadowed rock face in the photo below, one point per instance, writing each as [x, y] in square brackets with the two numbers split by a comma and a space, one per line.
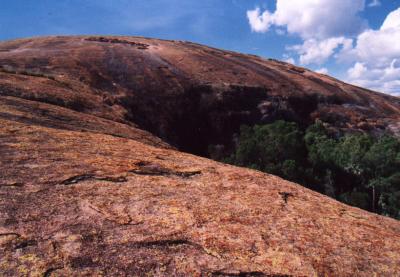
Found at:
[86, 189]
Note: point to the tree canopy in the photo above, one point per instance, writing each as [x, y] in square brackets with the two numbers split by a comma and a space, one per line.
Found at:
[358, 169]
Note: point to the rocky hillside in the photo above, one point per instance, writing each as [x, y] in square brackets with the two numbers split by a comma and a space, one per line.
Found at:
[92, 184]
[189, 95]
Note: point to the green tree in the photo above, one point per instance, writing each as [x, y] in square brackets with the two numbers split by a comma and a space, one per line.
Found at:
[319, 145]
[382, 163]
[357, 169]
[275, 148]
[350, 151]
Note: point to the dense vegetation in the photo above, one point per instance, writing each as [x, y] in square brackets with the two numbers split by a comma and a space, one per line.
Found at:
[358, 169]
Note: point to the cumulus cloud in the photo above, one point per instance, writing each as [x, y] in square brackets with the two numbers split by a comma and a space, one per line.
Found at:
[392, 21]
[335, 29]
[322, 70]
[322, 24]
[378, 46]
[290, 60]
[376, 57]
[259, 22]
[357, 71]
[311, 18]
[386, 79]
[314, 51]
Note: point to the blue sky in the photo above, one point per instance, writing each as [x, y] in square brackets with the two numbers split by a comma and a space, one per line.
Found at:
[335, 36]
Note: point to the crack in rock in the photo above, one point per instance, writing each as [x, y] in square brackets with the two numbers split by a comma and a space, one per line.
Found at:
[10, 234]
[119, 179]
[243, 274]
[25, 244]
[163, 243]
[85, 177]
[76, 179]
[285, 196]
[239, 274]
[49, 271]
[144, 169]
[11, 184]
[172, 243]
[156, 170]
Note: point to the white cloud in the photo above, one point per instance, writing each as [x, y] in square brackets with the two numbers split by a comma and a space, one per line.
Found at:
[386, 79]
[290, 60]
[379, 46]
[392, 21]
[319, 51]
[259, 22]
[311, 18]
[322, 70]
[376, 57]
[374, 3]
[357, 71]
[335, 29]
[322, 24]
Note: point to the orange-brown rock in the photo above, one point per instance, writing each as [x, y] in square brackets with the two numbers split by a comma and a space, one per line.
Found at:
[190, 95]
[86, 190]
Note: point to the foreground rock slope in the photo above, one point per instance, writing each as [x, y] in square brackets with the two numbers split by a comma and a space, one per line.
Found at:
[86, 190]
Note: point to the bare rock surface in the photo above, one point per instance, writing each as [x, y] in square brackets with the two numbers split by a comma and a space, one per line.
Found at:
[87, 190]
[188, 94]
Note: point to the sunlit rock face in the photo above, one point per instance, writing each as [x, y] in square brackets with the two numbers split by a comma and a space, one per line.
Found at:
[92, 181]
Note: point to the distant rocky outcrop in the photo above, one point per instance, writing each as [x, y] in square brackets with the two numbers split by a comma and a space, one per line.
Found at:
[92, 182]
[187, 94]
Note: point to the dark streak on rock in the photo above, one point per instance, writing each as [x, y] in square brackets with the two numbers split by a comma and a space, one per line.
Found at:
[82, 262]
[188, 173]
[132, 223]
[85, 177]
[49, 271]
[156, 170]
[139, 45]
[170, 243]
[243, 274]
[285, 196]
[25, 244]
[119, 179]
[246, 274]
[163, 243]
[15, 184]
[76, 179]
[10, 234]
